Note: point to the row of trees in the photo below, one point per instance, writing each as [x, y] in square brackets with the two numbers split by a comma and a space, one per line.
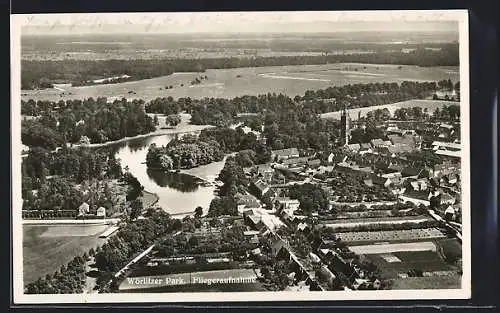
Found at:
[223, 112]
[383, 227]
[234, 182]
[446, 113]
[39, 74]
[167, 106]
[312, 197]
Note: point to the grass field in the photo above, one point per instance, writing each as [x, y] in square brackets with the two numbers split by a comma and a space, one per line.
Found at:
[46, 248]
[289, 80]
[430, 105]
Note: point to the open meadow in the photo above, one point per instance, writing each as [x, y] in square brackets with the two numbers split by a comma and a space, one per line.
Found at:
[229, 83]
[47, 248]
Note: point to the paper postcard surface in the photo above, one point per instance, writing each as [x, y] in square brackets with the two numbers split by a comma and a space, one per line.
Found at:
[240, 156]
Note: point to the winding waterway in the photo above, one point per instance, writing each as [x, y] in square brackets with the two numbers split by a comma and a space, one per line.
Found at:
[179, 193]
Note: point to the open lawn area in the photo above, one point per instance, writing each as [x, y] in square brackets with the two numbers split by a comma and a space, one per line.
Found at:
[46, 248]
[229, 83]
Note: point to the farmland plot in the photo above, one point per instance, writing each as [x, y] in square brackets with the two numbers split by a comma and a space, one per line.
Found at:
[229, 83]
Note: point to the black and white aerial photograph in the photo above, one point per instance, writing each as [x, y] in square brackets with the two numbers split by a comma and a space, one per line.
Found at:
[250, 156]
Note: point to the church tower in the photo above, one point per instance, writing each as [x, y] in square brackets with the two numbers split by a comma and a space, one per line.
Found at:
[345, 122]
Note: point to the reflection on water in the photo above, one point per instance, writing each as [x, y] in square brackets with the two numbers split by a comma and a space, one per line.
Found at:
[177, 192]
[178, 181]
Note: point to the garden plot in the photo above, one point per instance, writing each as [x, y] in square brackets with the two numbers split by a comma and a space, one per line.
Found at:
[395, 247]
[391, 235]
[356, 223]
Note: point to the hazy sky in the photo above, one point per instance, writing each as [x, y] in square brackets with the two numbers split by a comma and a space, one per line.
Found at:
[238, 22]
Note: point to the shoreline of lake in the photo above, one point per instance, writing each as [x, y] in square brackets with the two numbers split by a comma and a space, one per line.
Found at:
[159, 132]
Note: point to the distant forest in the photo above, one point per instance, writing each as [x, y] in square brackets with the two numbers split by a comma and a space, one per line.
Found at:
[43, 74]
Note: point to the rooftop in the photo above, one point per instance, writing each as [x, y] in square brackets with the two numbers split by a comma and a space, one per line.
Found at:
[286, 152]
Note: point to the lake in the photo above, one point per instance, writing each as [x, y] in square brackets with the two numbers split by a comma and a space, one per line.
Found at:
[178, 192]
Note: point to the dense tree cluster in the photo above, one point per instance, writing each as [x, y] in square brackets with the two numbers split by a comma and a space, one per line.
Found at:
[56, 198]
[234, 182]
[230, 140]
[233, 178]
[69, 279]
[167, 106]
[352, 188]
[365, 95]
[186, 152]
[40, 74]
[55, 184]
[173, 120]
[227, 240]
[96, 119]
[35, 134]
[131, 239]
[447, 113]
[365, 135]
[76, 165]
[135, 187]
[313, 198]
